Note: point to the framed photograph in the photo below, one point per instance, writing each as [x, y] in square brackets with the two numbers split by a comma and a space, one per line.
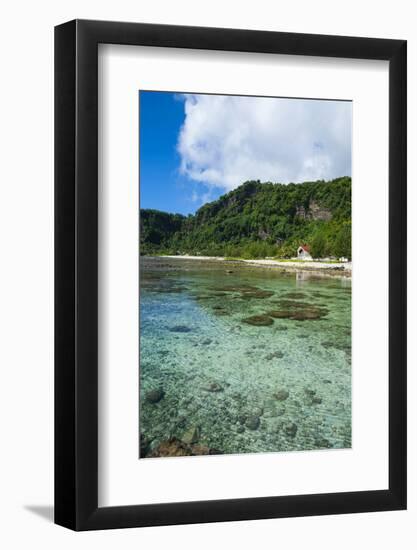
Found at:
[230, 245]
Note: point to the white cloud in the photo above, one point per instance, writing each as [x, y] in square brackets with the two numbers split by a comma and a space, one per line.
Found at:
[226, 140]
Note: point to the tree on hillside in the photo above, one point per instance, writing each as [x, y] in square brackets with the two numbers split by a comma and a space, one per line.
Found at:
[318, 246]
[343, 242]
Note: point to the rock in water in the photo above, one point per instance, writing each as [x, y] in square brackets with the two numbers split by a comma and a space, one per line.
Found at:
[257, 411]
[175, 447]
[171, 447]
[290, 429]
[274, 355]
[295, 295]
[212, 387]
[180, 328]
[282, 395]
[252, 422]
[258, 320]
[144, 445]
[200, 450]
[247, 295]
[155, 395]
[192, 435]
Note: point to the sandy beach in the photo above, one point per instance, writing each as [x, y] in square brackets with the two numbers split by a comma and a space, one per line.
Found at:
[341, 269]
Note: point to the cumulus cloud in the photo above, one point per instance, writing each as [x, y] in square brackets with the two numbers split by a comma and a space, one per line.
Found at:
[226, 140]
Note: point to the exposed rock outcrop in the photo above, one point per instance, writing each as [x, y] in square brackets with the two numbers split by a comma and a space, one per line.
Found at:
[313, 212]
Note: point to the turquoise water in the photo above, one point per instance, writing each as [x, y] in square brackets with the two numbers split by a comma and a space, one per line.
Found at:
[238, 359]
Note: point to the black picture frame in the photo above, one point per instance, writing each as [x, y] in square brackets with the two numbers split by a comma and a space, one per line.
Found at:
[76, 272]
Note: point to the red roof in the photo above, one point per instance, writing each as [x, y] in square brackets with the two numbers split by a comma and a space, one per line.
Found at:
[305, 247]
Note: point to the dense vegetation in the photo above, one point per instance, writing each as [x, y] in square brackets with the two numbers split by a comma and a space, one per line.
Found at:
[258, 220]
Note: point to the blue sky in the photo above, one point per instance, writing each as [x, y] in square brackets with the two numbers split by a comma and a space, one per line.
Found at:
[161, 185]
[196, 147]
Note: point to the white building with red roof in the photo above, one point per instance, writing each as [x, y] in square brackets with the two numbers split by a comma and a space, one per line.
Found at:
[303, 252]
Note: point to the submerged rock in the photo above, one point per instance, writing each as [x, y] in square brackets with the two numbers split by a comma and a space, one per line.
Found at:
[214, 451]
[213, 387]
[175, 447]
[155, 395]
[174, 290]
[322, 442]
[192, 435]
[274, 355]
[298, 313]
[295, 295]
[273, 409]
[328, 345]
[257, 411]
[257, 294]
[144, 445]
[258, 320]
[282, 395]
[292, 304]
[220, 312]
[201, 450]
[312, 399]
[290, 429]
[234, 288]
[206, 342]
[171, 447]
[180, 328]
[252, 422]
[279, 314]
[316, 400]
[280, 411]
[309, 314]
[318, 294]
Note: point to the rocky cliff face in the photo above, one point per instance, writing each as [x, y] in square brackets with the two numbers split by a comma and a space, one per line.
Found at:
[313, 212]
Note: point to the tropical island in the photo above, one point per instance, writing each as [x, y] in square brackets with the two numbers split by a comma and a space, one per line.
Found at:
[258, 220]
[245, 275]
[236, 359]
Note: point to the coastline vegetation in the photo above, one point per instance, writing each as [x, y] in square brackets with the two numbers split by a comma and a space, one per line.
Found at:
[258, 220]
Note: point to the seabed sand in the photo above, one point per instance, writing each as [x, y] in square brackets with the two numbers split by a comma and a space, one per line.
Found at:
[340, 269]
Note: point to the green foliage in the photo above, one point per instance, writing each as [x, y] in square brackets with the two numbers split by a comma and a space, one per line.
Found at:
[343, 241]
[319, 246]
[157, 229]
[258, 220]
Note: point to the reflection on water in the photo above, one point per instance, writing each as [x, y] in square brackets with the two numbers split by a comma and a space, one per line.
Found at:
[238, 359]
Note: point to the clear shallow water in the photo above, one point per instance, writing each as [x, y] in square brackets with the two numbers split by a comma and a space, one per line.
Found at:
[211, 379]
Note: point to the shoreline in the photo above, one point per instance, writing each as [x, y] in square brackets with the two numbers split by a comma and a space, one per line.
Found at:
[338, 269]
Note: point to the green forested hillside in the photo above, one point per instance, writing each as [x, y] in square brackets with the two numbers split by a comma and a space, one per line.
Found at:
[257, 220]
